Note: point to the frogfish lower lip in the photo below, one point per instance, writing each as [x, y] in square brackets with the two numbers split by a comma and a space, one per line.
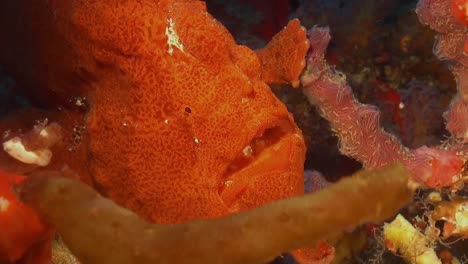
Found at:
[266, 155]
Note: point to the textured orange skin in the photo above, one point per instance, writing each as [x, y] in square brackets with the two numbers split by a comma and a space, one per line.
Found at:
[160, 170]
[143, 149]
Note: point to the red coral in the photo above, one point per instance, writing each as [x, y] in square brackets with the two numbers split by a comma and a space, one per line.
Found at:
[460, 11]
[21, 227]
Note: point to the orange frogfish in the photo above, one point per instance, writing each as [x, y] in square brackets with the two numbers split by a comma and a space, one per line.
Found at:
[158, 107]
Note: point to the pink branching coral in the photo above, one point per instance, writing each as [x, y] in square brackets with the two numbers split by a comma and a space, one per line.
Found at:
[357, 125]
[443, 17]
[361, 137]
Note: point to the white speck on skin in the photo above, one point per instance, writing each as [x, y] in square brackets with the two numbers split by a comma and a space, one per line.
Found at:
[172, 37]
[6, 134]
[44, 133]
[4, 204]
[79, 102]
[228, 183]
[247, 151]
[15, 148]
[166, 121]
[196, 140]
[297, 136]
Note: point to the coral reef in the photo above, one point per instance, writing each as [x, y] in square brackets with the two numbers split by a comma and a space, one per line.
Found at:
[361, 137]
[146, 127]
[450, 47]
[384, 52]
[357, 125]
[405, 239]
[423, 107]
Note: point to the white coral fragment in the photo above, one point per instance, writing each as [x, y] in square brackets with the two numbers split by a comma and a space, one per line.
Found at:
[15, 148]
[461, 217]
[402, 237]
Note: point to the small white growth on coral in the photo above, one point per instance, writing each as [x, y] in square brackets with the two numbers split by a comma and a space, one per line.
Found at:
[434, 197]
[4, 204]
[462, 216]
[15, 148]
[172, 37]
